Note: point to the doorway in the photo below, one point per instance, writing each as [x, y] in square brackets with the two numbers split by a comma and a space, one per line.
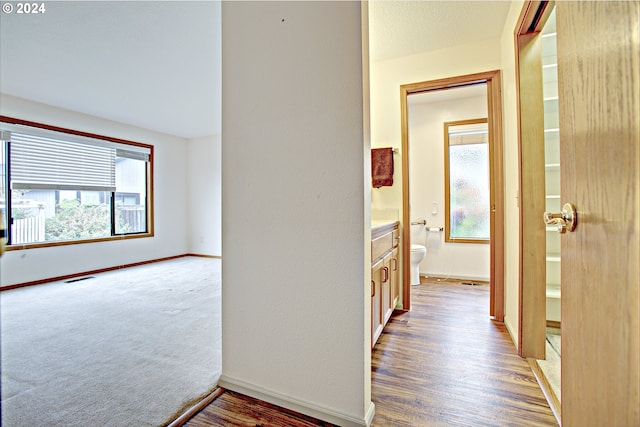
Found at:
[496, 234]
[449, 183]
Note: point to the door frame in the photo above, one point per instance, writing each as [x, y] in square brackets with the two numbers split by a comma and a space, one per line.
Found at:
[531, 163]
[494, 118]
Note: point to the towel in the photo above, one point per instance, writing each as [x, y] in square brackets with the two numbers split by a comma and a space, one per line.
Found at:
[382, 167]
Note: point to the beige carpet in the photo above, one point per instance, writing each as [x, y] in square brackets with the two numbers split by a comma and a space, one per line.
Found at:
[124, 348]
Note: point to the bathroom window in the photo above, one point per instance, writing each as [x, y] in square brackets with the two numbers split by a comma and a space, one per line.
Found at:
[467, 181]
[61, 186]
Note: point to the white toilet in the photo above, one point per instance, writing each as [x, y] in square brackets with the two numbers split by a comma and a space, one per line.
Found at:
[418, 252]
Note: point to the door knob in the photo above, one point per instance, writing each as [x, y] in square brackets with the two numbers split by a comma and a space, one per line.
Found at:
[565, 220]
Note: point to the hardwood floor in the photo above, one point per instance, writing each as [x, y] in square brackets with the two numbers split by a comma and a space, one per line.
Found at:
[444, 363]
[233, 409]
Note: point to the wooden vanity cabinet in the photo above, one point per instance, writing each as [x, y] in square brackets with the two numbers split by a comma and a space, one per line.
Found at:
[385, 283]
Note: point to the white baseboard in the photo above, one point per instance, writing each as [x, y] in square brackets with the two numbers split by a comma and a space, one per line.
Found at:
[297, 405]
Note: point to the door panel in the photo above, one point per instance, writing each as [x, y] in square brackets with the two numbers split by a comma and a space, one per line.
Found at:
[377, 276]
[598, 74]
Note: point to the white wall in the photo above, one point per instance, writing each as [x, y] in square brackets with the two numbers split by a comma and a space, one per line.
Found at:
[426, 186]
[294, 322]
[204, 192]
[170, 203]
[511, 173]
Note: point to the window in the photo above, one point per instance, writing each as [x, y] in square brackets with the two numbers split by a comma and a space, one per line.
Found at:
[65, 186]
[467, 181]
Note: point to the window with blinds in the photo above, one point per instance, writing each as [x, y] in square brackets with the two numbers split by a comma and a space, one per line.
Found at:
[67, 186]
[53, 164]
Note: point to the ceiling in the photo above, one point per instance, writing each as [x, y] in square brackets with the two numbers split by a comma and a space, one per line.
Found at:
[152, 64]
[402, 28]
[156, 64]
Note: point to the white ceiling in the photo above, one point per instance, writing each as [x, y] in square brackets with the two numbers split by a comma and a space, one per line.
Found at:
[402, 28]
[152, 64]
[156, 64]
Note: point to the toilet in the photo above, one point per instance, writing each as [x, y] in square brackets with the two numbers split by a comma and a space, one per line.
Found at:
[418, 252]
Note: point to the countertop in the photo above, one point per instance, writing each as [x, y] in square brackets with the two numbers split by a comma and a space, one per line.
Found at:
[380, 227]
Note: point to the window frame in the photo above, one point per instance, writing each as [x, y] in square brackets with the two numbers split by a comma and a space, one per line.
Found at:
[149, 189]
[447, 183]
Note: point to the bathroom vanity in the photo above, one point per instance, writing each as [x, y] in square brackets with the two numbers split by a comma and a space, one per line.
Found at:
[385, 274]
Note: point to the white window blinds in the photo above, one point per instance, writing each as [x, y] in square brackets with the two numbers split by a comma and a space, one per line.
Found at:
[49, 160]
[39, 163]
[469, 134]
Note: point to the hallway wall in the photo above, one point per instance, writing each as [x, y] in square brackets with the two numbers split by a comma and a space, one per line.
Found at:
[296, 295]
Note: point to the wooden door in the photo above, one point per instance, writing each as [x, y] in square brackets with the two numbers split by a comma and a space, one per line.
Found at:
[598, 75]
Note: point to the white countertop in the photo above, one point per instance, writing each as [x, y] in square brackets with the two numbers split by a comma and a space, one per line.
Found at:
[382, 224]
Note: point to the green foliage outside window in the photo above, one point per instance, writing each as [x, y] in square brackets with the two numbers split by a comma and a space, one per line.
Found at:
[77, 221]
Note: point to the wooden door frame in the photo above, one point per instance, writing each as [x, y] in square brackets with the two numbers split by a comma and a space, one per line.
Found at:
[532, 261]
[494, 117]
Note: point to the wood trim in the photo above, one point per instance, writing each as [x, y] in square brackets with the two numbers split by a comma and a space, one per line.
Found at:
[547, 390]
[494, 109]
[25, 246]
[150, 193]
[494, 105]
[447, 185]
[199, 406]
[532, 200]
[449, 82]
[204, 256]
[406, 214]
[529, 95]
[16, 121]
[553, 324]
[87, 273]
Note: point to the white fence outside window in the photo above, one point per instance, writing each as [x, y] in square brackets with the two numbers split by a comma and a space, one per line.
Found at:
[28, 230]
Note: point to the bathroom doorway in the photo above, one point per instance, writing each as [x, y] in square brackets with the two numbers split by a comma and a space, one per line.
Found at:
[482, 94]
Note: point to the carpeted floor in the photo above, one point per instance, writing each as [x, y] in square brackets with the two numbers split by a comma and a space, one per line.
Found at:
[130, 347]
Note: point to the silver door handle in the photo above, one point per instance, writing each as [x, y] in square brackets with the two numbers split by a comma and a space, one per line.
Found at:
[565, 220]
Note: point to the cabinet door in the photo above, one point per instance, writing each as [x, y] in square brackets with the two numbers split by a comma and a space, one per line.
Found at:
[377, 274]
[395, 279]
[386, 288]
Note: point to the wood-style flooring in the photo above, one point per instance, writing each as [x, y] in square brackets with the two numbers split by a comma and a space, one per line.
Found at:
[444, 363]
[234, 409]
